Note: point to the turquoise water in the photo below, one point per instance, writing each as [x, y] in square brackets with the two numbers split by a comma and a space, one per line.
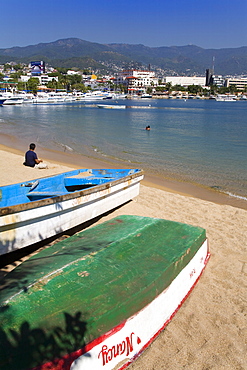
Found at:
[199, 141]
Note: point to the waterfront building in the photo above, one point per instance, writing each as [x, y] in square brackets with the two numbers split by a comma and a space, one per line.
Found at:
[43, 78]
[212, 79]
[209, 77]
[218, 80]
[136, 80]
[240, 83]
[185, 81]
[37, 68]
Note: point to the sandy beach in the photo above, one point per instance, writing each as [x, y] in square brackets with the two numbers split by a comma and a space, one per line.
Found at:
[209, 331]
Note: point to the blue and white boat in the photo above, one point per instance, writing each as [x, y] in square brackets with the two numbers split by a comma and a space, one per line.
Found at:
[2, 100]
[33, 211]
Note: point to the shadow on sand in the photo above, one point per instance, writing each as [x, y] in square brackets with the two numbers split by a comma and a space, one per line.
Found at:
[28, 348]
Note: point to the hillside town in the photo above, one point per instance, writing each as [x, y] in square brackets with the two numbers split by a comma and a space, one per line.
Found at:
[38, 80]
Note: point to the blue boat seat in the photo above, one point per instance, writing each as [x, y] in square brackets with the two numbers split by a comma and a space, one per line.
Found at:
[37, 195]
[73, 181]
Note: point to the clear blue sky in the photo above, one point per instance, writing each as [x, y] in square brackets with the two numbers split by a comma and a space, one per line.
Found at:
[206, 23]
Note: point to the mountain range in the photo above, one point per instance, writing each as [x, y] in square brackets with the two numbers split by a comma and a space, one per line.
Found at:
[177, 60]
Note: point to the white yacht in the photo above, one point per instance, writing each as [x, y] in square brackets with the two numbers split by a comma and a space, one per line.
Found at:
[14, 100]
[146, 96]
[223, 97]
[41, 98]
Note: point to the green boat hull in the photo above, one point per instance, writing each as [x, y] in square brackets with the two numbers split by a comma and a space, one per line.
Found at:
[68, 295]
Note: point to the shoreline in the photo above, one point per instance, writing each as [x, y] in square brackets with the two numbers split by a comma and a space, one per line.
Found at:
[12, 144]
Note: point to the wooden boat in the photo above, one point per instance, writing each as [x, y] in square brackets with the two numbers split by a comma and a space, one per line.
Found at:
[96, 300]
[34, 211]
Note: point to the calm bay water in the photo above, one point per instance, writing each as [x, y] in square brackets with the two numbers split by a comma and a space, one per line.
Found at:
[199, 141]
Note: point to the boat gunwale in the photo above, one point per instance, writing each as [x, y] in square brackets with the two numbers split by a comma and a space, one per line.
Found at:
[4, 211]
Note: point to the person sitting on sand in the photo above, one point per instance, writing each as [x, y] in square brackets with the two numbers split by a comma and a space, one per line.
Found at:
[31, 158]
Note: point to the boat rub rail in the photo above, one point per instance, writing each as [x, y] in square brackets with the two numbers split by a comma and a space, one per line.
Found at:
[56, 198]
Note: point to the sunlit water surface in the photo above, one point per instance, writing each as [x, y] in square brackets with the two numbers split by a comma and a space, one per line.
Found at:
[199, 141]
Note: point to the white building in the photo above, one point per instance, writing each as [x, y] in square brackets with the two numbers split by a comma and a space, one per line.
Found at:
[136, 80]
[24, 78]
[185, 81]
[72, 73]
[218, 80]
[43, 79]
[240, 83]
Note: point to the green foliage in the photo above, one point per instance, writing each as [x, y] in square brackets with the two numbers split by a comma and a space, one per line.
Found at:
[184, 60]
[54, 84]
[160, 88]
[232, 89]
[6, 67]
[32, 84]
[213, 89]
[178, 88]
[53, 74]
[21, 86]
[194, 89]
[223, 90]
[81, 63]
[75, 79]
[15, 76]
[62, 70]
[18, 67]
[80, 87]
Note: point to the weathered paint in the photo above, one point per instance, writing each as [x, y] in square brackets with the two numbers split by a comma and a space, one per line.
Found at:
[122, 346]
[78, 295]
[8, 234]
[30, 222]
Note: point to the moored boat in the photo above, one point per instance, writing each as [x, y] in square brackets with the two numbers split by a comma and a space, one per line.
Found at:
[9, 98]
[41, 98]
[14, 100]
[33, 211]
[223, 97]
[93, 95]
[2, 100]
[98, 298]
[107, 106]
[146, 96]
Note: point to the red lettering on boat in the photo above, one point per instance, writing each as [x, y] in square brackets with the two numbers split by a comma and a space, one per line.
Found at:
[125, 347]
[192, 273]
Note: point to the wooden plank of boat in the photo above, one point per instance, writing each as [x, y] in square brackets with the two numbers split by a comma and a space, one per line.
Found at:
[34, 211]
[97, 299]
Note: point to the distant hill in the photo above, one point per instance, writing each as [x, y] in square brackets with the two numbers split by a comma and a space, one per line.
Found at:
[182, 60]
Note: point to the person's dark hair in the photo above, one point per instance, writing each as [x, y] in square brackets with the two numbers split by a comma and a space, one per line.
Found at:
[32, 146]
